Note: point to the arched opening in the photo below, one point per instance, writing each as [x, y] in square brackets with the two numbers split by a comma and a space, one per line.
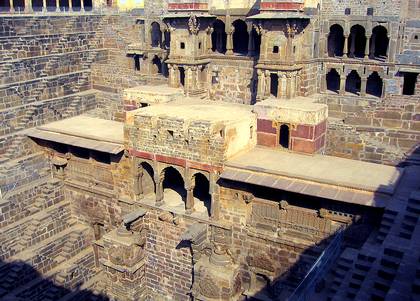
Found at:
[88, 5]
[333, 81]
[147, 181]
[36, 5]
[357, 40]
[156, 35]
[353, 82]
[379, 42]
[374, 85]
[19, 5]
[4, 5]
[274, 84]
[262, 285]
[64, 5]
[50, 5]
[410, 81]
[173, 188]
[336, 41]
[182, 76]
[284, 136]
[218, 37]
[157, 65]
[76, 5]
[240, 37]
[201, 192]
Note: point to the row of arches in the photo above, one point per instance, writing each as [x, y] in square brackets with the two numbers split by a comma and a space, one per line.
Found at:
[353, 83]
[171, 189]
[49, 5]
[356, 46]
[241, 43]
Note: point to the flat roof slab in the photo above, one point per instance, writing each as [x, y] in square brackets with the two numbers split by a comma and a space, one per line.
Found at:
[88, 127]
[299, 110]
[201, 110]
[329, 177]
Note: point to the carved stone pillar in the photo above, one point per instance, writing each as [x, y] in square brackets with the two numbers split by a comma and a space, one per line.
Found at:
[159, 190]
[57, 5]
[363, 86]
[28, 6]
[342, 84]
[209, 40]
[346, 46]
[138, 184]
[189, 203]
[352, 45]
[44, 5]
[325, 45]
[324, 82]
[70, 5]
[260, 87]
[251, 45]
[372, 47]
[288, 86]
[367, 48]
[267, 84]
[82, 5]
[279, 86]
[229, 41]
[12, 8]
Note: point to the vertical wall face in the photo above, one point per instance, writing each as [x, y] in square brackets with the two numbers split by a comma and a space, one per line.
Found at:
[359, 8]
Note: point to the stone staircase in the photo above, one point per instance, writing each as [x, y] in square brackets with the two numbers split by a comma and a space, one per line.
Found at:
[386, 267]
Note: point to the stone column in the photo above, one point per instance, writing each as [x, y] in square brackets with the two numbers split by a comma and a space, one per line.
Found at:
[346, 46]
[138, 184]
[267, 84]
[159, 190]
[326, 45]
[229, 41]
[279, 86]
[363, 86]
[28, 6]
[70, 5]
[260, 87]
[172, 77]
[288, 86]
[189, 203]
[251, 46]
[12, 8]
[367, 48]
[324, 82]
[372, 47]
[82, 5]
[342, 84]
[352, 45]
[209, 40]
[44, 5]
[187, 79]
[57, 5]
[387, 49]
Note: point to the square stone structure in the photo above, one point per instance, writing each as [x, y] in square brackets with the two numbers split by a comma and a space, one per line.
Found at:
[299, 124]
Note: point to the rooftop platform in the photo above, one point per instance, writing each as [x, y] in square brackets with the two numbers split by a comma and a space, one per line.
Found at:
[323, 176]
[190, 109]
[299, 110]
[83, 131]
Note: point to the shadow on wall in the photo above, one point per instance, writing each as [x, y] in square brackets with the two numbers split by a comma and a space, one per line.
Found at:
[312, 280]
[19, 281]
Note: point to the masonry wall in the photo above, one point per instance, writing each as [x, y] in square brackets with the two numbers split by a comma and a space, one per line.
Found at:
[381, 8]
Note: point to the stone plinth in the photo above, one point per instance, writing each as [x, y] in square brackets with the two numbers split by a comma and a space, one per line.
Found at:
[306, 123]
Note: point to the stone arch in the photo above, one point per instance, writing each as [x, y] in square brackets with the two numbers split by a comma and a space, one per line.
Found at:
[37, 5]
[174, 192]
[219, 37]
[201, 193]
[353, 82]
[256, 43]
[155, 35]
[333, 80]
[379, 42]
[148, 181]
[240, 37]
[357, 44]
[336, 41]
[374, 85]
[157, 64]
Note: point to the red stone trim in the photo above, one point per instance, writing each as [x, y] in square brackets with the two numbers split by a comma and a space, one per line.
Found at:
[281, 6]
[188, 6]
[266, 126]
[265, 139]
[174, 161]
